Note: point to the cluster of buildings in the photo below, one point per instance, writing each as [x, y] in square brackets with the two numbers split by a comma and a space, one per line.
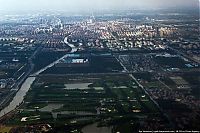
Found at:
[133, 63]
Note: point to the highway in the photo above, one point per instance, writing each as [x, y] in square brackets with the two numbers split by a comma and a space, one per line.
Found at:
[19, 89]
[20, 80]
[22, 85]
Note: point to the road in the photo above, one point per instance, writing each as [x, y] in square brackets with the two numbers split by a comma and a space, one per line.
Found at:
[141, 86]
[19, 89]
[25, 82]
[184, 55]
[73, 49]
[19, 81]
[79, 74]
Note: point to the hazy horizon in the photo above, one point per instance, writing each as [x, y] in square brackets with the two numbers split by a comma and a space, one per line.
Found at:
[94, 5]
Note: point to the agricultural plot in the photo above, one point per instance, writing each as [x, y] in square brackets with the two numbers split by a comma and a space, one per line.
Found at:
[93, 99]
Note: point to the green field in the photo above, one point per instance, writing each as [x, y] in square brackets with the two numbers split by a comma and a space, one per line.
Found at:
[93, 99]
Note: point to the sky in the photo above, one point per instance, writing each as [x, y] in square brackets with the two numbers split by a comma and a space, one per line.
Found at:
[81, 5]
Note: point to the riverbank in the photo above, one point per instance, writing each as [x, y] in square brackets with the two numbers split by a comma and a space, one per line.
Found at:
[21, 93]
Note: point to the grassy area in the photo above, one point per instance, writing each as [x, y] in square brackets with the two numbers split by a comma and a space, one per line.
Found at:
[118, 96]
[32, 117]
[35, 105]
[5, 129]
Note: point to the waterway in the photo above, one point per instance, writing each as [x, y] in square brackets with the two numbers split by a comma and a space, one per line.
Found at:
[73, 48]
[92, 128]
[21, 93]
[19, 97]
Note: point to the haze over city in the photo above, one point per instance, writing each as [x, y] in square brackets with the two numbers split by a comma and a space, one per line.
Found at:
[99, 66]
[84, 5]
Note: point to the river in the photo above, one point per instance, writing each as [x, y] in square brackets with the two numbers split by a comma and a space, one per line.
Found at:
[73, 48]
[92, 128]
[19, 97]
